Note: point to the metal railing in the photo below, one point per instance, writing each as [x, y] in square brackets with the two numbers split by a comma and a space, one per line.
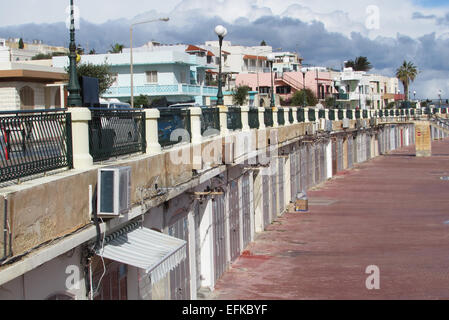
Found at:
[290, 116]
[340, 114]
[357, 114]
[312, 116]
[331, 114]
[33, 142]
[116, 132]
[350, 114]
[234, 118]
[253, 118]
[300, 115]
[281, 117]
[210, 121]
[365, 114]
[174, 126]
[268, 117]
[322, 114]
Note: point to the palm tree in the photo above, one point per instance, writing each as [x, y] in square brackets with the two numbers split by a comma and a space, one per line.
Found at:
[359, 64]
[117, 48]
[406, 73]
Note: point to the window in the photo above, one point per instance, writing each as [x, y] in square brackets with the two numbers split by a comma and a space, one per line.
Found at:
[151, 76]
[283, 90]
[264, 89]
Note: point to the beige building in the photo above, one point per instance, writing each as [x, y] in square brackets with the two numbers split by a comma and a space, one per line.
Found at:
[26, 86]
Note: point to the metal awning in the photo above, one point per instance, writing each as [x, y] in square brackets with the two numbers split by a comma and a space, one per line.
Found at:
[154, 252]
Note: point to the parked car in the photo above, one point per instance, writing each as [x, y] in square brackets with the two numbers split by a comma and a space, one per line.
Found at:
[119, 129]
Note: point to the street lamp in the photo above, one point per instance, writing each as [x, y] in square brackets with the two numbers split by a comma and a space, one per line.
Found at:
[304, 71]
[337, 94]
[257, 66]
[414, 95]
[271, 60]
[131, 52]
[74, 98]
[221, 33]
[439, 94]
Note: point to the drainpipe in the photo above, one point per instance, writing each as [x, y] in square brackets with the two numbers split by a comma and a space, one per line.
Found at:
[5, 232]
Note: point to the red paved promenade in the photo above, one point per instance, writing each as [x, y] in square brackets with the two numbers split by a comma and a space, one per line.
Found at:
[392, 212]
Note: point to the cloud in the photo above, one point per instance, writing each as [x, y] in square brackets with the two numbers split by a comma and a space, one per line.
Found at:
[322, 38]
[420, 16]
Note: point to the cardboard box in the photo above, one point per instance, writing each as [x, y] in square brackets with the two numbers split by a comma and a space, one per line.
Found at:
[302, 205]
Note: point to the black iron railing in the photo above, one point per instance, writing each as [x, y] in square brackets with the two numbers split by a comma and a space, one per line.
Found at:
[397, 112]
[365, 114]
[174, 126]
[340, 114]
[234, 118]
[210, 121]
[331, 114]
[381, 113]
[116, 132]
[350, 114]
[281, 117]
[253, 118]
[312, 116]
[300, 115]
[268, 117]
[322, 114]
[290, 115]
[33, 142]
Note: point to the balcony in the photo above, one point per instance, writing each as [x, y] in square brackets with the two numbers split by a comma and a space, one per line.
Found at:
[166, 90]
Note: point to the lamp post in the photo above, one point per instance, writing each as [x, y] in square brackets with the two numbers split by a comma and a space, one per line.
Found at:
[304, 71]
[439, 94]
[337, 94]
[257, 65]
[414, 95]
[271, 60]
[74, 98]
[131, 52]
[221, 33]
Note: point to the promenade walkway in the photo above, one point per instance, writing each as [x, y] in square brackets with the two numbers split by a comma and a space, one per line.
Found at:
[392, 212]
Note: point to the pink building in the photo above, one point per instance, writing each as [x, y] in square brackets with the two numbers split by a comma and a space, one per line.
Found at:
[287, 83]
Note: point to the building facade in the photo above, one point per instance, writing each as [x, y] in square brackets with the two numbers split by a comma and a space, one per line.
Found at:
[167, 72]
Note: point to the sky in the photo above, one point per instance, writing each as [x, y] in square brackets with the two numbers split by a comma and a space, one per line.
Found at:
[325, 32]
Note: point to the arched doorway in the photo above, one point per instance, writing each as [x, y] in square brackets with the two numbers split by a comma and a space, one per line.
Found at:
[26, 98]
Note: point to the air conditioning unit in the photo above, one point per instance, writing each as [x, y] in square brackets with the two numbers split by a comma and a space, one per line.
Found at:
[345, 123]
[114, 191]
[328, 126]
